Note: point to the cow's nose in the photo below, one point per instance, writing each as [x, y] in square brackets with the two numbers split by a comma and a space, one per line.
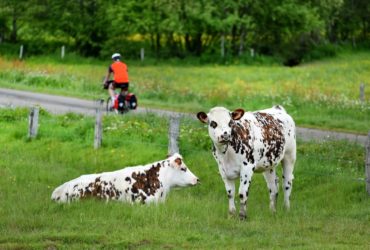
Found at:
[225, 136]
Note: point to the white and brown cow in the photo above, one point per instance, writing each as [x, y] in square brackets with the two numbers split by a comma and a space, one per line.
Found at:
[249, 142]
[140, 184]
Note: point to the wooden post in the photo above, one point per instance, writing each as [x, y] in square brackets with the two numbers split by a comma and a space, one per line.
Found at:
[62, 52]
[142, 54]
[98, 125]
[241, 41]
[33, 122]
[223, 46]
[173, 135]
[362, 92]
[367, 164]
[252, 52]
[21, 52]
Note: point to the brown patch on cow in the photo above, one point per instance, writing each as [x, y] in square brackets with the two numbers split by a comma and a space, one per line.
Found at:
[148, 181]
[272, 135]
[241, 139]
[100, 189]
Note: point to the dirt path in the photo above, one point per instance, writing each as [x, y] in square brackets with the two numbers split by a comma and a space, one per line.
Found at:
[61, 104]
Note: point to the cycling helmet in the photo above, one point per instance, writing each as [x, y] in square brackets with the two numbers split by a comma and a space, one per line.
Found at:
[116, 56]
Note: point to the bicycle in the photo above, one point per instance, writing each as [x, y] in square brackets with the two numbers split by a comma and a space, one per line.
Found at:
[124, 102]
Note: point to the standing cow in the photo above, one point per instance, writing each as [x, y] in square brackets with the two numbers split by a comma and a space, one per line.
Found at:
[248, 142]
[144, 184]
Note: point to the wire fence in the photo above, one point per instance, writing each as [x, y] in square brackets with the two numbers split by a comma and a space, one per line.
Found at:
[320, 165]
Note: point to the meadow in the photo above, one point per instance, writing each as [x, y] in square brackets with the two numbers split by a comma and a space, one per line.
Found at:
[330, 207]
[323, 94]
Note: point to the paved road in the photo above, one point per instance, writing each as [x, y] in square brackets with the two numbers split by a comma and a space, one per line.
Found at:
[61, 104]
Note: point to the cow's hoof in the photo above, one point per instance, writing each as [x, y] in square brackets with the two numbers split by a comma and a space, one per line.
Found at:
[242, 217]
[287, 206]
[232, 211]
[231, 214]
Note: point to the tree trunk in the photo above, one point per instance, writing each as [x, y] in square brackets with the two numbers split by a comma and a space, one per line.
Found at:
[158, 44]
[13, 35]
[188, 43]
[233, 40]
[242, 40]
[198, 44]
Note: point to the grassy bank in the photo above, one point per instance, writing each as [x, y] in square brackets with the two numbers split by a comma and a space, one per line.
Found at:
[324, 94]
[330, 208]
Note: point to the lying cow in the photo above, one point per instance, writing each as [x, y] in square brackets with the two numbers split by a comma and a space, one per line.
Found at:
[144, 184]
[248, 142]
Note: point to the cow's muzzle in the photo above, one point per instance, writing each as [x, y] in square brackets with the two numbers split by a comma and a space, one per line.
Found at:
[224, 138]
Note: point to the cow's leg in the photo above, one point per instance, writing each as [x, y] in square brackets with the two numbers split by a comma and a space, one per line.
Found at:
[273, 186]
[230, 189]
[229, 186]
[287, 185]
[245, 181]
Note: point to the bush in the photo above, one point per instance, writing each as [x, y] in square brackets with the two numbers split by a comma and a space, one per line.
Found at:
[320, 52]
[128, 49]
[8, 49]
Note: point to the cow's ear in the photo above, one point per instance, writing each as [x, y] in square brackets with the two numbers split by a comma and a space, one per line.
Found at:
[237, 114]
[202, 117]
[178, 161]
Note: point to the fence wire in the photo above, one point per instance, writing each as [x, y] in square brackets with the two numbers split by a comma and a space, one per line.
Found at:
[184, 148]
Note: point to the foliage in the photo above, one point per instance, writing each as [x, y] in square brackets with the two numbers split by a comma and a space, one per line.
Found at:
[216, 30]
[328, 199]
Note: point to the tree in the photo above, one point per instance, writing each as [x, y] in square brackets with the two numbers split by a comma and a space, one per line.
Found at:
[13, 12]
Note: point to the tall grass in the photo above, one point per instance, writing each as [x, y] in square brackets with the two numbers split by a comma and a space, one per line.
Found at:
[322, 94]
[330, 208]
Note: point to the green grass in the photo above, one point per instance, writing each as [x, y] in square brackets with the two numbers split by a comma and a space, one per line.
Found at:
[323, 94]
[330, 207]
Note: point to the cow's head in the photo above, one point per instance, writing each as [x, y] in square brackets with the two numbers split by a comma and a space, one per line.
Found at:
[220, 122]
[180, 175]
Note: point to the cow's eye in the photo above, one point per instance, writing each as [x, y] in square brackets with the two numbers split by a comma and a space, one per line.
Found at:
[183, 169]
[213, 124]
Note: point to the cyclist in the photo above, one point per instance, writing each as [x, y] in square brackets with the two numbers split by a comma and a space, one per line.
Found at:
[120, 77]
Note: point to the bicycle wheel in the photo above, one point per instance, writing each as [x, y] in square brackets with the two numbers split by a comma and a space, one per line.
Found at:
[109, 107]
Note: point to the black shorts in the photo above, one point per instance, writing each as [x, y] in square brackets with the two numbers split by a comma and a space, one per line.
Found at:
[122, 86]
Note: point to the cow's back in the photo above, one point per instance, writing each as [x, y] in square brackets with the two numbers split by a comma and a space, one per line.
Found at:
[117, 185]
[274, 135]
[287, 122]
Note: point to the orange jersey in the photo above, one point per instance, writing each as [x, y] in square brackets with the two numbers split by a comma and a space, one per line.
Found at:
[119, 70]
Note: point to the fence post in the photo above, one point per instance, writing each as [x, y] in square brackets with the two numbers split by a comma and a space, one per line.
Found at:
[33, 122]
[252, 52]
[173, 134]
[21, 52]
[362, 92]
[98, 125]
[223, 46]
[62, 52]
[142, 54]
[367, 164]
